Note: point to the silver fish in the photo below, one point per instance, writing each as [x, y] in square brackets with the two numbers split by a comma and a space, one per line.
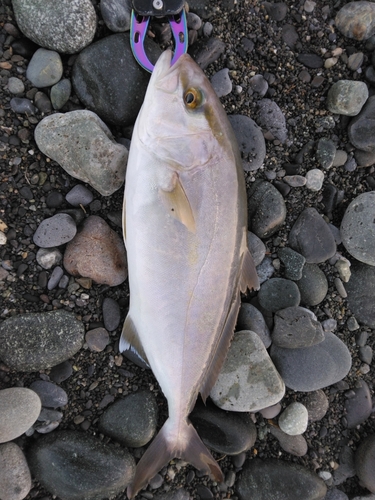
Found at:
[185, 228]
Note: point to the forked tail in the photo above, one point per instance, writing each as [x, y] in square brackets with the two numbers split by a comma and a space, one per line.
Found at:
[169, 444]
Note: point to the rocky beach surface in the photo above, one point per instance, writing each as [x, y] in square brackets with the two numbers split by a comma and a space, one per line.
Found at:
[291, 415]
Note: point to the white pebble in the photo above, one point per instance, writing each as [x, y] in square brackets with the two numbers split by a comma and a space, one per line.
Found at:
[294, 419]
[3, 238]
[343, 268]
[314, 179]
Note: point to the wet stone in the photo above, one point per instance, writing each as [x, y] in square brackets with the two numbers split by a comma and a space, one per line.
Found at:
[19, 409]
[51, 395]
[325, 153]
[293, 420]
[75, 465]
[131, 421]
[361, 292]
[266, 209]
[55, 231]
[272, 119]
[97, 339]
[359, 407]
[45, 68]
[296, 327]
[278, 293]
[15, 478]
[250, 139]
[250, 318]
[111, 314]
[228, 433]
[293, 263]
[347, 97]
[295, 445]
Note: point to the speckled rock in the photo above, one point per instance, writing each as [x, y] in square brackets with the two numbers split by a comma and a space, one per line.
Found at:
[317, 404]
[66, 26]
[250, 140]
[97, 252]
[60, 333]
[15, 478]
[45, 68]
[293, 420]
[347, 97]
[19, 409]
[93, 156]
[271, 118]
[248, 380]
[356, 20]
[77, 466]
[55, 231]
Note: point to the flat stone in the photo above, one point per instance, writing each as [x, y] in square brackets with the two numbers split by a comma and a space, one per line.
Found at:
[97, 252]
[312, 368]
[19, 409]
[45, 68]
[295, 445]
[79, 195]
[356, 20]
[359, 406]
[361, 129]
[311, 237]
[85, 148]
[74, 465]
[313, 285]
[227, 433]
[250, 140]
[248, 380]
[132, 420]
[97, 339]
[278, 293]
[296, 327]
[257, 248]
[55, 231]
[15, 478]
[310, 60]
[263, 479]
[266, 209]
[206, 51]
[250, 318]
[179, 494]
[258, 85]
[21, 336]
[358, 228]
[66, 27]
[48, 257]
[277, 11]
[289, 35]
[61, 372]
[361, 293]
[347, 97]
[271, 118]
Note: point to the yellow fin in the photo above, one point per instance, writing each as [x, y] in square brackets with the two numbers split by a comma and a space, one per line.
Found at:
[129, 340]
[178, 205]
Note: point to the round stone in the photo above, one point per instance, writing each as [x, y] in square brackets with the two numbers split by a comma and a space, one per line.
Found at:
[111, 314]
[97, 339]
[79, 195]
[15, 85]
[60, 93]
[362, 128]
[221, 82]
[250, 318]
[347, 97]
[295, 445]
[271, 118]
[365, 462]
[45, 68]
[55, 231]
[19, 409]
[48, 257]
[359, 406]
[278, 293]
[313, 285]
[293, 420]
[293, 263]
[317, 404]
[356, 20]
[116, 14]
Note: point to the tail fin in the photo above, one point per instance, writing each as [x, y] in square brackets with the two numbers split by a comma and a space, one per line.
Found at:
[168, 444]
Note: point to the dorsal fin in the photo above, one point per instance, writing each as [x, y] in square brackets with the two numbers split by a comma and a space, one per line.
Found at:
[129, 340]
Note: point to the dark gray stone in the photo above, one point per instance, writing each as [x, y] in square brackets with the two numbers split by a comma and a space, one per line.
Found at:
[293, 263]
[23, 106]
[310, 60]
[79, 195]
[365, 462]
[131, 421]
[116, 14]
[296, 327]
[111, 314]
[250, 140]
[51, 395]
[271, 118]
[336, 494]
[266, 209]
[361, 293]
[250, 318]
[359, 406]
[295, 445]
[206, 51]
[313, 285]
[361, 130]
[325, 152]
[311, 236]
[55, 231]
[221, 82]
[312, 368]
[275, 479]
[278, 293]
[257, 248]
[258, 85]
[277, 11]
[180, 494]
[77, 466]
[61, 372]
[60, 333]
[60, 93]
[229, 433]
[114, 91]
[289, 35]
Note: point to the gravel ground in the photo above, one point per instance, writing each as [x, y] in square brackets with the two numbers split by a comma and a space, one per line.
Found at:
[98, 374]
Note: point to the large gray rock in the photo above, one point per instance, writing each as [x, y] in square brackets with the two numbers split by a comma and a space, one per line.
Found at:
[66, 26]
[58, 332]
[85, 148]
[357, 20]
[365, 462]
[296, 327]
[361, 130]
[77, 466]
[248, 380]
[347, 97]
[250, 140]
[358, 228]
[19, 409]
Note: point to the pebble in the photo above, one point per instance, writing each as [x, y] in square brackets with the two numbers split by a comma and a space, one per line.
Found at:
[221, 82]
[365, 354]
[361, 129]
[277, 11]
[48, 257]
[63, 27]
[359, 406]
[310, 60]
[358, 230]
[340, 158]
[285, 479]
[93, 156]
[60, 93]
[278, 293]
[316, 403]
[97, 252]
[21, 336]
[325, 153]
[343, 268]
[15, 85]
[97, 339]
[347, 97]
[266, 209]
[132, 420]
[19, 409]
[15, 478]
[111, 314]
[250, 140]
[115, 92]
[206, 51]
[271, 411]
[356, 20]
[257, 248]
[295, 180]
[271, 118]
[23, 106]
[250, 318]
[312, 368]
[79, 195]
[248, 380]
[313, 285]
[293, 263]
[295, 445]
[225, 433]
[74, 465]
[61, 372]
[363, 158]
[361, 292]
[55, 231]
[55, 278]
[289, 35]
[365, 462]
[296, 327]
[311, 236]
[293, 420]
[116, 14]
[51, 395]
[258, 85]
[179, 494]
[45, 68]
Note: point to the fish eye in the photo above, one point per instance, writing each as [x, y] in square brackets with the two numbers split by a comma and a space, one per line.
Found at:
[193, 98]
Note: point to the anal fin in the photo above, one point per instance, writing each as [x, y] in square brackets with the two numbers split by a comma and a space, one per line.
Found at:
[130, 341]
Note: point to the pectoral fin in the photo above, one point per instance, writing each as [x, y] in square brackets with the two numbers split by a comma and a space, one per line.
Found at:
[178, 205]
[249, 278]
[129, 340]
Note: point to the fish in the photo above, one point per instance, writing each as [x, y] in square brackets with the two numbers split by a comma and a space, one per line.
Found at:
[185, 232]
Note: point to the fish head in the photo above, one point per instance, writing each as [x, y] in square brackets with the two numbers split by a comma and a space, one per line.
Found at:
[182, 121]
